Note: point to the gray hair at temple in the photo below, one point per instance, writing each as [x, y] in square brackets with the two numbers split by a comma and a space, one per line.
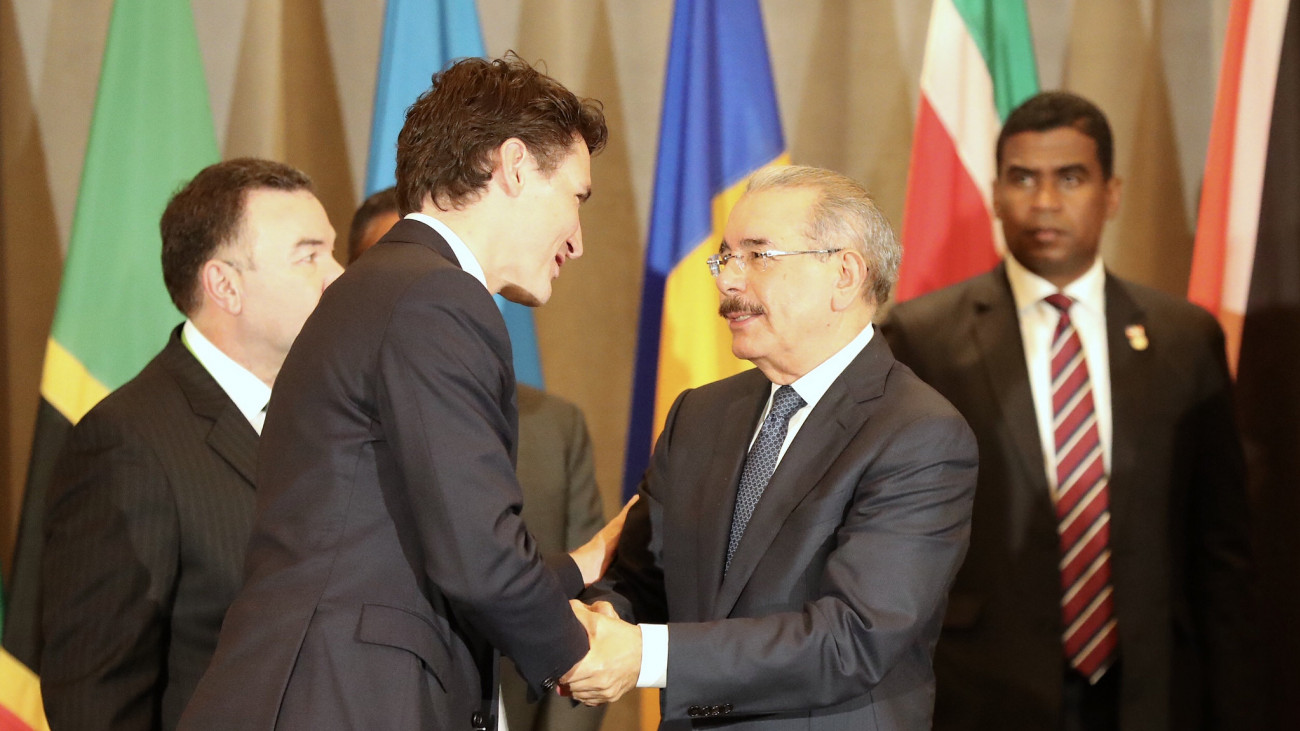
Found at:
[844, 216]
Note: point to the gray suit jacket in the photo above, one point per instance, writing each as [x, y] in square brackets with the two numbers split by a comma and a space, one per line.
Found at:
[148, 516]
[562, 509]
[1180, 558]
[828, 615]
[388, 557]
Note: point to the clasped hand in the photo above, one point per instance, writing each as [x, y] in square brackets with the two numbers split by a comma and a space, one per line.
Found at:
[613, 663]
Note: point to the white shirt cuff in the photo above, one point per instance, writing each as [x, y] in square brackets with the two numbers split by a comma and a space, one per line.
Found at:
[654, 656]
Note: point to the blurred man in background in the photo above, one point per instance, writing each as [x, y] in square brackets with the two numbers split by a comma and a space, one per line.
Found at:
[1109, 580]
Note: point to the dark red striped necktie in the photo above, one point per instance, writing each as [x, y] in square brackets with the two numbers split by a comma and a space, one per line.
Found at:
[1082, 506]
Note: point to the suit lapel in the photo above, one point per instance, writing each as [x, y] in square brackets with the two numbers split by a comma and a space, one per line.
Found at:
[231, 436]
[838, 416]
[717, 500]
[1130, 378]
[1001, 350]
[410, 231]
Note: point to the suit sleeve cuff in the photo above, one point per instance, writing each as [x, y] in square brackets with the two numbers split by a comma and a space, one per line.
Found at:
[566, 570]
[654, 656]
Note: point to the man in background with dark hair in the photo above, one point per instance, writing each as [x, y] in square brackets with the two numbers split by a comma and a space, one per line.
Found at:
[152, 498]
[376, 215]
[1108, 584]
[557, 473]
[388, 560]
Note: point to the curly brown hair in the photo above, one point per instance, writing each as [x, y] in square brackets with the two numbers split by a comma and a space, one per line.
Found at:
[445, 148]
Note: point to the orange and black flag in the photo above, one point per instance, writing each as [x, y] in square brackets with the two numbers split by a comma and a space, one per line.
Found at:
[1246, 270]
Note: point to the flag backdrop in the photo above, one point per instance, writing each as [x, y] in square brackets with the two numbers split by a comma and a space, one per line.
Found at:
[20, 697]
[979, 64]
[1246, 270]
[720, 124]
[152, 130]
[420, 38]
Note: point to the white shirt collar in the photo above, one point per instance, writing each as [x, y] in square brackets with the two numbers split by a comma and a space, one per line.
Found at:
[463, 255]
[1029, 289]
[249, 392]
[814, 384]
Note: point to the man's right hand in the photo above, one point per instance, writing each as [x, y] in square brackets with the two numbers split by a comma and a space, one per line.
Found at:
[613, 663]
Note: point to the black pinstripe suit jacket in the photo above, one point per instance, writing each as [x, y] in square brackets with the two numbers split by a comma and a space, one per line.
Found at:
[148, 518]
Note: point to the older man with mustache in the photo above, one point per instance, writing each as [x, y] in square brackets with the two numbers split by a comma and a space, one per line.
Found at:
[800, 523]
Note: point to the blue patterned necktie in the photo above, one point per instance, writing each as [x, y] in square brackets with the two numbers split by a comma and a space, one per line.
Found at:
[761, 462]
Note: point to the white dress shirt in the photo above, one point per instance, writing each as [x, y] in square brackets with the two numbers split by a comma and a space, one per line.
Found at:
[1038, 321]
[249, 392]
[811, 387]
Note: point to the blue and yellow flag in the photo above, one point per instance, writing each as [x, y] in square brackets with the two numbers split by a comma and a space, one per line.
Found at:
[720, 124]
[420, 38]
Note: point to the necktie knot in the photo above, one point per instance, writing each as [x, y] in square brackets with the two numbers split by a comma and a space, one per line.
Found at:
[785, 403]
[1060, 302]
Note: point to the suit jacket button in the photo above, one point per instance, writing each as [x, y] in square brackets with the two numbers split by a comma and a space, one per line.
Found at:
[693, 711]
[549, 684]
[477, 721]
[726, 708]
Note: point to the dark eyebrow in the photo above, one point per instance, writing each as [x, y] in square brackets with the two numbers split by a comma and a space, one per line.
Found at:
[1077, 168]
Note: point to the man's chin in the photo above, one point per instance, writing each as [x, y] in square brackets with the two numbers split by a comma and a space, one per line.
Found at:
[521, 296]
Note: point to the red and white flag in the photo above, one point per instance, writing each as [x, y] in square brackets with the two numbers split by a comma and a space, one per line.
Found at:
[979, 64]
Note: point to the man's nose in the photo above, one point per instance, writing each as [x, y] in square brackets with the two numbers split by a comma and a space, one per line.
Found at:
[575, 243]
[1047, 196]
[730, 278]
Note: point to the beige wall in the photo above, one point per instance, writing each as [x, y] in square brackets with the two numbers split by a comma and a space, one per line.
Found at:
[293, 79]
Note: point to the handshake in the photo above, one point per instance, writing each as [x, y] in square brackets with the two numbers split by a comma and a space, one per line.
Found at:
[612, 665]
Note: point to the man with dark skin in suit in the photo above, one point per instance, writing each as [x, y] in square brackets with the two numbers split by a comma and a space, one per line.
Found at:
[1108, 584]
[152, 498]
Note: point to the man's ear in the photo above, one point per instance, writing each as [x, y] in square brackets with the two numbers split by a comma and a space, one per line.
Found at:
[222, 285]
[852, 276]
[512, 159]
[1114, 187]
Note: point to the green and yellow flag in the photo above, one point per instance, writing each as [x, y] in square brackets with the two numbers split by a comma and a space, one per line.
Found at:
[152, 131]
